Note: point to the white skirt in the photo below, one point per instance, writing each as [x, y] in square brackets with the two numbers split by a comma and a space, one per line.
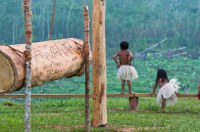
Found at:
[168, 92]
[127, 72]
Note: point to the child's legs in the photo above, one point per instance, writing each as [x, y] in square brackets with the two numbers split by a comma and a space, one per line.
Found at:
[163, 104]
[129, 86]
[123, 84]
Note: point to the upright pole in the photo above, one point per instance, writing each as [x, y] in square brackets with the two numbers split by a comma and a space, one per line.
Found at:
[199, 91]
[52, 20]
[28, 57]
[87, 68]
[99, 64]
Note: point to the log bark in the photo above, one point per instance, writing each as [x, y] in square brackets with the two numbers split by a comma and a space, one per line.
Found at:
[99, 64]
[51, 60]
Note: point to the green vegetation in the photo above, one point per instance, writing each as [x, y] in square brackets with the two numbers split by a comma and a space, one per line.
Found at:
[141, 22]
[68, 115]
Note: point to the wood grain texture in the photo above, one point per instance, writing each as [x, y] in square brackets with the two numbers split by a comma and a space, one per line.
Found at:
[99, 64]
[51, 60]
[86, 49]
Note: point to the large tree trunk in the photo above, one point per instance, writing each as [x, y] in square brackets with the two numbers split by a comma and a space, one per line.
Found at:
[51, 60]
[99, 64]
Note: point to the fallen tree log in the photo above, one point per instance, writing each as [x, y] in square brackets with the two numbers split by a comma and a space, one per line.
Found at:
[51, 60]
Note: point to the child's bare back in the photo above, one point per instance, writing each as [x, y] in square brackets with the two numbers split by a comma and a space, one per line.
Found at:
[125, 72]
[125, 57]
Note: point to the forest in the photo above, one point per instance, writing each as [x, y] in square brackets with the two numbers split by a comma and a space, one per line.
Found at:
[141, 22]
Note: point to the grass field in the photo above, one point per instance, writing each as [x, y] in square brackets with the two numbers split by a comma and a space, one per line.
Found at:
[68, 115]
[49, 115]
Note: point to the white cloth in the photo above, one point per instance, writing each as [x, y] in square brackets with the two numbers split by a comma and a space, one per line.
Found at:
[168, 92]
[127, 72]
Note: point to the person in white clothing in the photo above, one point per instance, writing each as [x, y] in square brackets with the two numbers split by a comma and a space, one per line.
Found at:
[168, 89]
[126, 72]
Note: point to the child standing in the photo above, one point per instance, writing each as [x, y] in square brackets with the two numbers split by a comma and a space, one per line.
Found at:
[168, 89]
[125, 72]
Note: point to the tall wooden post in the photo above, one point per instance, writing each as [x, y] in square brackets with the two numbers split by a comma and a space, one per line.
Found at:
[199, 90]
[52, 20]
[99, 64]
[28, 57]
[86, 49]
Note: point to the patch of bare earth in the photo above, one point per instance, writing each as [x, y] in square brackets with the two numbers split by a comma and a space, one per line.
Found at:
[108, 128]
[62, 127]
[131, 129]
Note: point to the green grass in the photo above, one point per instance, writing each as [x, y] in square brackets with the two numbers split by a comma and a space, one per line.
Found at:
[68, 115]
[50, 115]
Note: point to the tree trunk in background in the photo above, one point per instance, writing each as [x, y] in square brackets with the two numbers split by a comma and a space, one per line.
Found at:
[99, 64]
[28, 58]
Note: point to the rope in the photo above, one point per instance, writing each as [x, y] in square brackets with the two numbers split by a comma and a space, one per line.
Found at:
[52, 20]
[12, 48]
[20, 53]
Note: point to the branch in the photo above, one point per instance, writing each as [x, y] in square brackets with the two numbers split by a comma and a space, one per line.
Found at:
[153, 46]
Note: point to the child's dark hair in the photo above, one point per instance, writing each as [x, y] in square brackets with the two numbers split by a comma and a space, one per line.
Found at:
[161, 74]
[124, 45]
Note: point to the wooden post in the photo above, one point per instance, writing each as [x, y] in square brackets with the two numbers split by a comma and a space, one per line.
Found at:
[52, 20]
[99, 64]
[86, 49]
[28, 57]
[134, 103]
[198, 91]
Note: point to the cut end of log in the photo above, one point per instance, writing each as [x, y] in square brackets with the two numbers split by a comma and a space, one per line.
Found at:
[7, 75]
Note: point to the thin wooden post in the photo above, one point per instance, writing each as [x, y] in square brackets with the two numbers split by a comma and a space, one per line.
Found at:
[198, 91]
[134, 103]
[99, 64]
[28, 57]
[86, 49]
[52, 20]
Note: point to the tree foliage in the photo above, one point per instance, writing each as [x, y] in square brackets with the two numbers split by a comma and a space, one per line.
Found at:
[141, 22]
